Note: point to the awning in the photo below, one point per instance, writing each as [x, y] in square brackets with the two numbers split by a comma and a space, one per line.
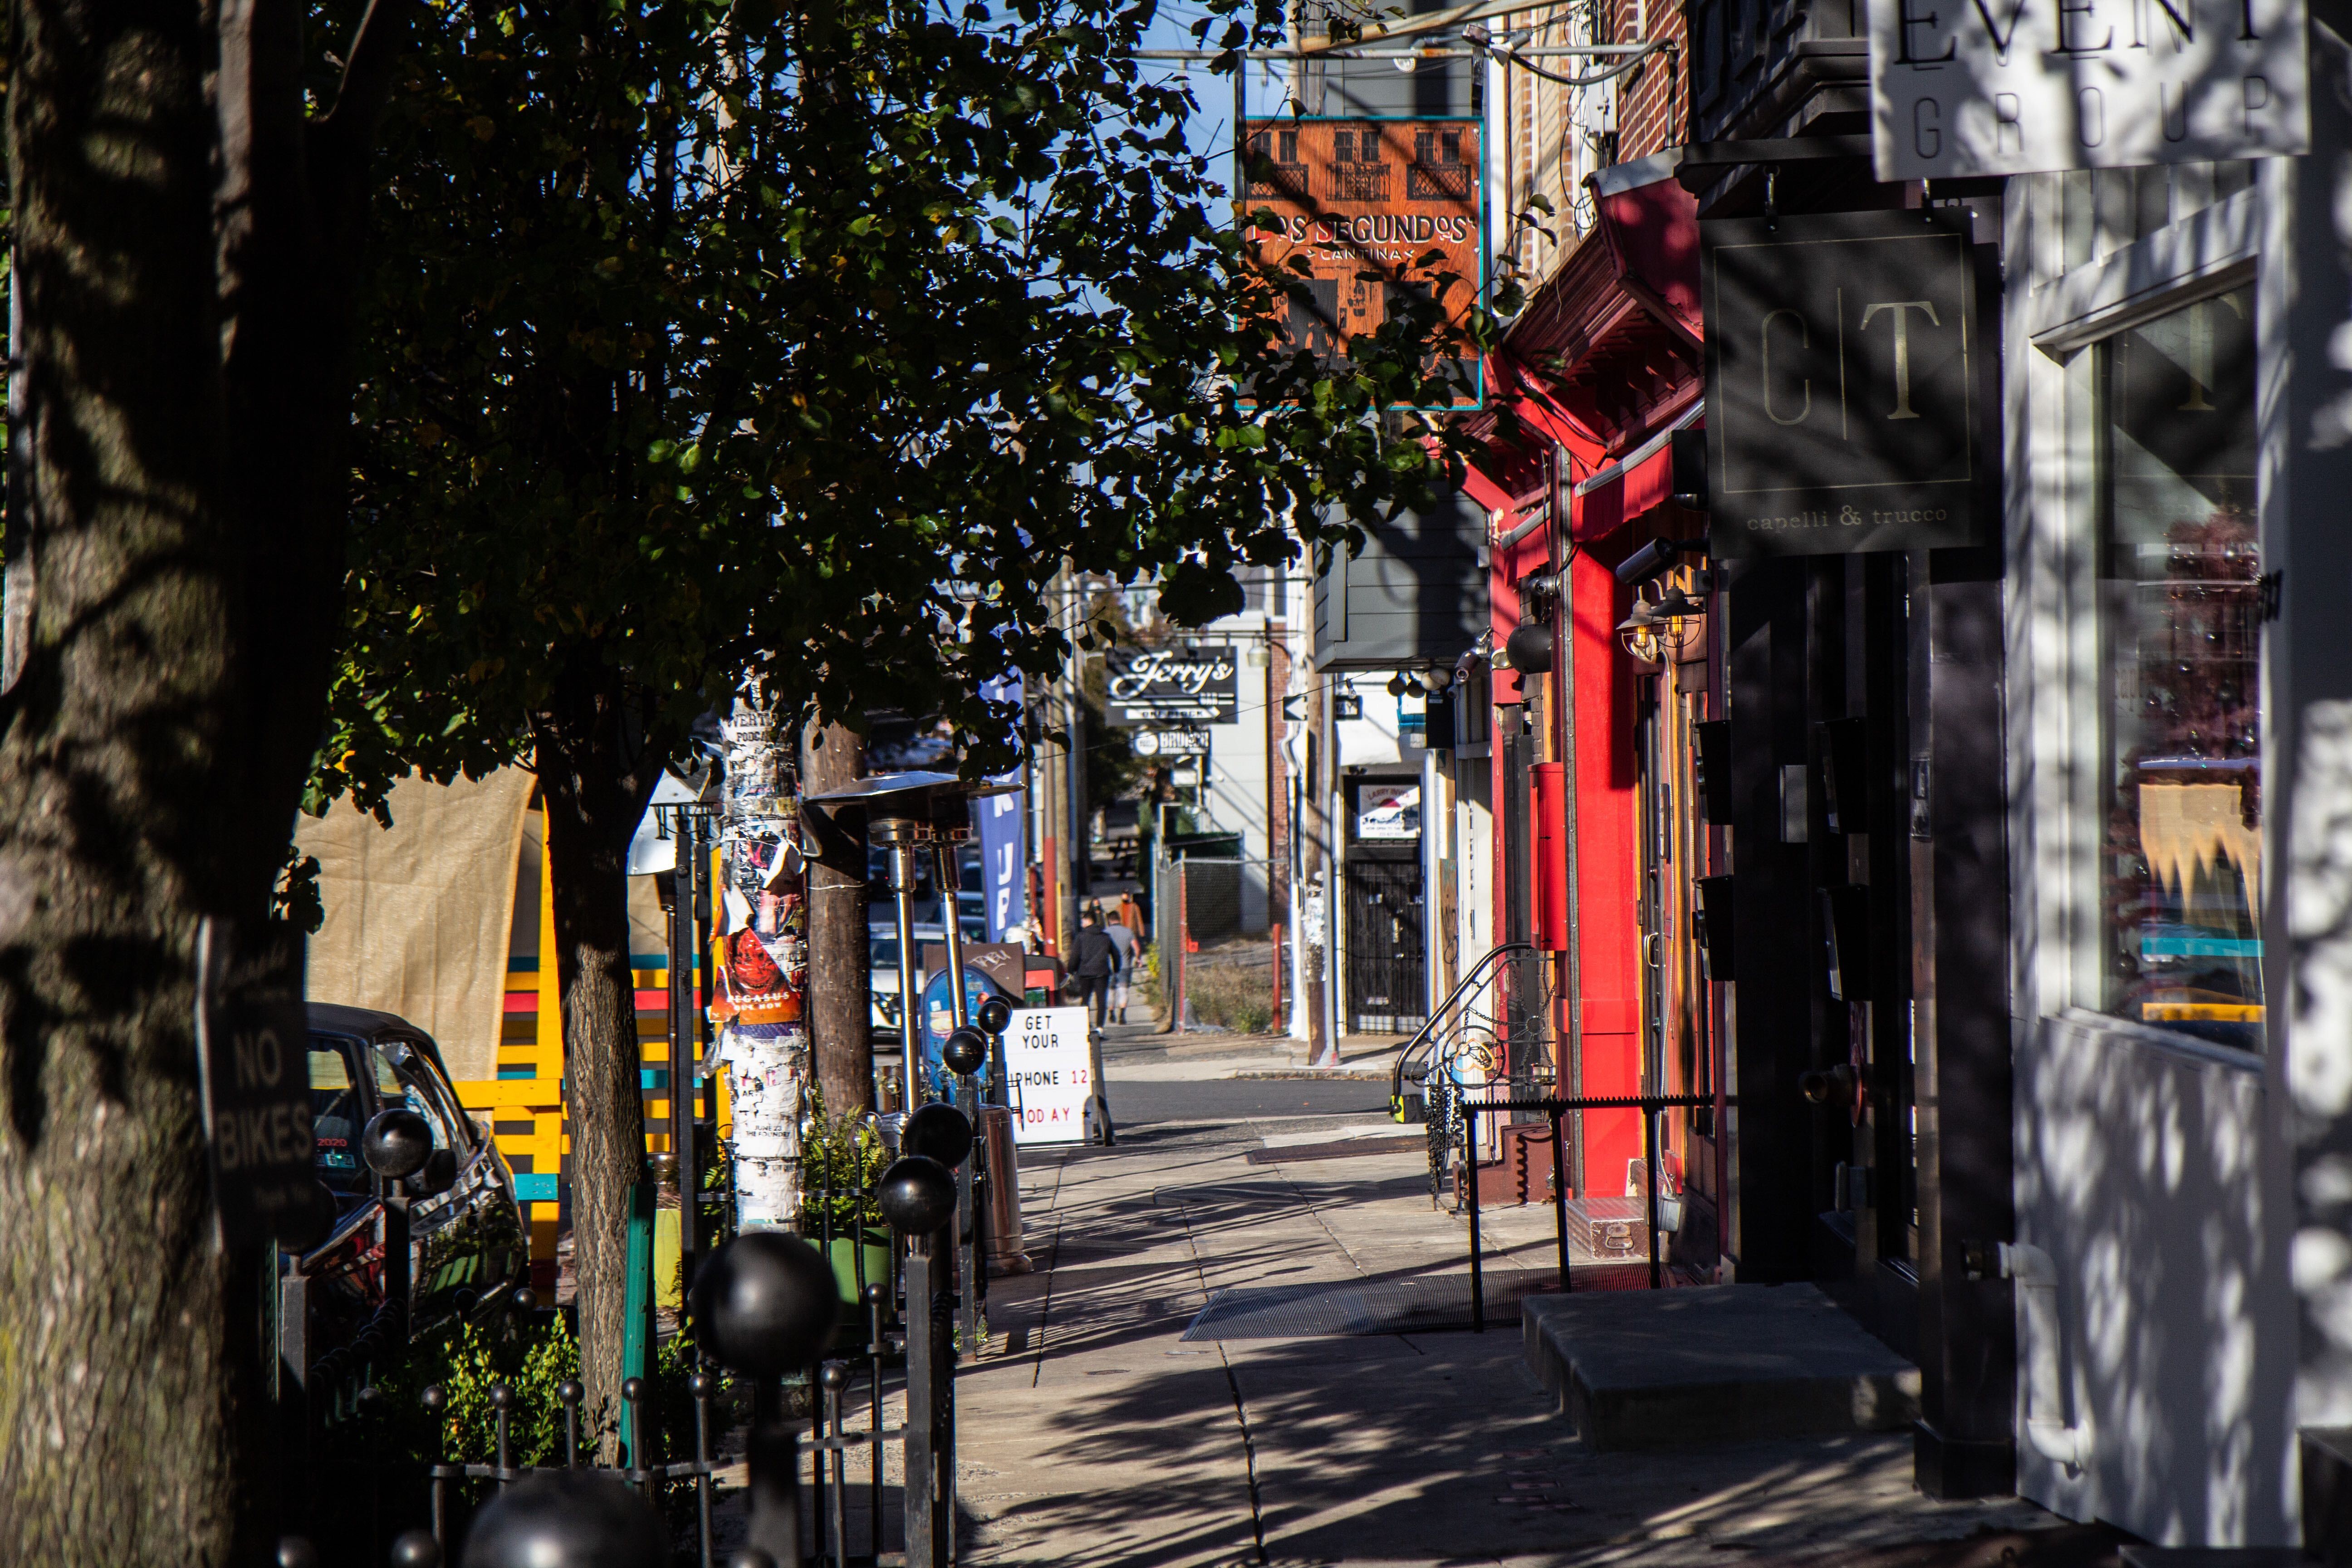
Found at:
[1641, 480]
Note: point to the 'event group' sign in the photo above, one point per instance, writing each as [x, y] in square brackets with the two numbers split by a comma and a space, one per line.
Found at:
[1842, 377]
[1361, 203]
[1961, 87]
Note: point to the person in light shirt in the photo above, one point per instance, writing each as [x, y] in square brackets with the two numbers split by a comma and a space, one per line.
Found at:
[1131, 954]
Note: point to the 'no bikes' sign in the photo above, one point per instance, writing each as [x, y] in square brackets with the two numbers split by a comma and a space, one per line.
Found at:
[1052, 1068]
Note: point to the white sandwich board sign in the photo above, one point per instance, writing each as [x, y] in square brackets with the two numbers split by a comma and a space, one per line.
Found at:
[1051, 1064]
[1962, 88]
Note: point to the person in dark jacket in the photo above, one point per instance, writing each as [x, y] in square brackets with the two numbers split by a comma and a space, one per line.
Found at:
[1097, 960]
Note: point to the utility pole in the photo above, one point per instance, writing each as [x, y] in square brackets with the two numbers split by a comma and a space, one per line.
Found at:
[838, 1007]
[1061, 810]
[1082, 830]
[1317, 870]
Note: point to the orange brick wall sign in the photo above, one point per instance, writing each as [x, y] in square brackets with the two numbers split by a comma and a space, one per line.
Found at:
[1365, 203]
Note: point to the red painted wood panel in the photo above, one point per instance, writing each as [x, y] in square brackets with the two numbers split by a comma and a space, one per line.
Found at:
[1607, 868]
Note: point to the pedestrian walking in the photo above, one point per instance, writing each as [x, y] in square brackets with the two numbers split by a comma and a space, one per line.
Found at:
[1130, 956]
[1098, 960]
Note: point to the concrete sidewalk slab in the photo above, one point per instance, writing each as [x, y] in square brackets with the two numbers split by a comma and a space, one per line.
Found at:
[1717, 1362]
[1092, 1432]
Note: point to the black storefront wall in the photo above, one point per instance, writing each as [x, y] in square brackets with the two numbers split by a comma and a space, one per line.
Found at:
[1872, 669]
[1956, 797]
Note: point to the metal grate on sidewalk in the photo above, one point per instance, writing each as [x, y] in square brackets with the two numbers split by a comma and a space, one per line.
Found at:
[1386, 1306]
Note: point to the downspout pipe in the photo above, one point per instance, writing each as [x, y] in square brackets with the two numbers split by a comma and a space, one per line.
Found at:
[2046, 1431]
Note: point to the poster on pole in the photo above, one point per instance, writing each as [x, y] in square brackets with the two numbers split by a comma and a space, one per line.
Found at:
[1052, 1067]
[1370, 210]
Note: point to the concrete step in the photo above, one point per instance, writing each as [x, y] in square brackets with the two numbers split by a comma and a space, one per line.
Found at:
[1713, 1364]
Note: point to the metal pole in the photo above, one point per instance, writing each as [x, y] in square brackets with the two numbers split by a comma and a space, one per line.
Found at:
[681, 1042]
[836, 1378]
[772, 1456]
[902, 883]
[1559, 1199]
[822, 1499]
[921, 1488]
[1650, 1179]
[1477, 1263]
[876, 1296]
[699, 1385]
[943, 864]
[707, 1094]
[967, 1216]
[942, 1329]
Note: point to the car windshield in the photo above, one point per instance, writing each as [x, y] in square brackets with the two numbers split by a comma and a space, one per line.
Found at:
[339, 1107]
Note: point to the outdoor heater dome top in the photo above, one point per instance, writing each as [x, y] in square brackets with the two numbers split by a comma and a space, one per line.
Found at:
[886, 808]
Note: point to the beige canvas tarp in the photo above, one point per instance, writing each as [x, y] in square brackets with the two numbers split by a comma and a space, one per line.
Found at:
[418, 914]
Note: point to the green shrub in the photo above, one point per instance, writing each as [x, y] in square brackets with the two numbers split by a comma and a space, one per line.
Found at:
[843, 1152]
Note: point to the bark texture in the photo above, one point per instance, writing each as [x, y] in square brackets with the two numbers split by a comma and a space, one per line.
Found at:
[840, 1007]
[596, 779]
[174, 550]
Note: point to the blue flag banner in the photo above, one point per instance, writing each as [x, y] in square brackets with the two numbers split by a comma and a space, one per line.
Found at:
[1004, 858]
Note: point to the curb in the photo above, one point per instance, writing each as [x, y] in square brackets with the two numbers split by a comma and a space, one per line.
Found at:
[1320, 1074]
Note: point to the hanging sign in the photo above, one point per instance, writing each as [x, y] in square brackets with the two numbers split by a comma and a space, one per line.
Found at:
[253, 1057]
[1199, 685]
[1051, 1065]
[1371, 209]
[1172, 743]
[1842, 384]
[2002, 87]
[1390, 813]
[1000, 822]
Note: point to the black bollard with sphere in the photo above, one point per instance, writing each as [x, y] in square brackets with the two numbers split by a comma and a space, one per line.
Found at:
[764, 1306]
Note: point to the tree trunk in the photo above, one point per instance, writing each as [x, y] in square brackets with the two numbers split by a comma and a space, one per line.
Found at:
[840, 983]
[172, 581]
[597, 783]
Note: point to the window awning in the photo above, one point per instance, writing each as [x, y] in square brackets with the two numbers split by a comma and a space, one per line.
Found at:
[1641, 480]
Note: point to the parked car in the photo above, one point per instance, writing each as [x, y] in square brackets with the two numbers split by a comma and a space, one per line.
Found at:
[469, 1251]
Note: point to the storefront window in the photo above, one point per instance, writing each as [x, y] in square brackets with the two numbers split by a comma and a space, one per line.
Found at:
[2179, 571]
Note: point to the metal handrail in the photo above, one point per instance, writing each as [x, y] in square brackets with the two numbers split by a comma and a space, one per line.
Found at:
[1444, 1014]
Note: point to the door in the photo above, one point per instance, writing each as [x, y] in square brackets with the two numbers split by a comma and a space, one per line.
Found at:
[1387, 962]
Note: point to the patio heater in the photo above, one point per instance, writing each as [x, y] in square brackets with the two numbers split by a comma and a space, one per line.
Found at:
[909, 815]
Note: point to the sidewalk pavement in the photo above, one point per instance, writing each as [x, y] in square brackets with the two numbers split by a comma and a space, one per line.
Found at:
[1092, 1432]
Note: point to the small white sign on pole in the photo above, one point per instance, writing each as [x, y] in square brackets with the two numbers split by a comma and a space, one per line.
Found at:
[1962, 88]
[1052, 1067]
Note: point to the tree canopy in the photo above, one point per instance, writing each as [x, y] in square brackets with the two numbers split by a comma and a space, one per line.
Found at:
[808, 344]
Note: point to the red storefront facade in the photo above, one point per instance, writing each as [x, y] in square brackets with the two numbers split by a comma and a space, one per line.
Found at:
[1575, 467]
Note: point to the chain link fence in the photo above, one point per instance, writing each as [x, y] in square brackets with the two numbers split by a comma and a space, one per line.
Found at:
[1213, 972]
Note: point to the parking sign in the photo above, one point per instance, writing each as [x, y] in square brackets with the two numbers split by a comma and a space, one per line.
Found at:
[1051, 1066]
